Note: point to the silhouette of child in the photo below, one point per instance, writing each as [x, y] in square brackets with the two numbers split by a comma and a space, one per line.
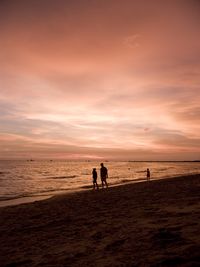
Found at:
[94, 176]
[148, 174]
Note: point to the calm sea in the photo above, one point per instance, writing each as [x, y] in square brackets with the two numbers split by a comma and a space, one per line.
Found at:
[20, 179]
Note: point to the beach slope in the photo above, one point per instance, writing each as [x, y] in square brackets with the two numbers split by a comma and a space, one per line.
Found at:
[145, 224]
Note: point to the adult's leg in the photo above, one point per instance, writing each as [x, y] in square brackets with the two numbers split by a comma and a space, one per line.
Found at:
[106, 183]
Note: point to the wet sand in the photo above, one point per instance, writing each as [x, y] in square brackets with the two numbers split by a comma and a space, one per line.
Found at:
[146, 224]
[22, 200]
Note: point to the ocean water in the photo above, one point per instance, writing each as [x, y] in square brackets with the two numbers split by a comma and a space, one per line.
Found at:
[20, 179]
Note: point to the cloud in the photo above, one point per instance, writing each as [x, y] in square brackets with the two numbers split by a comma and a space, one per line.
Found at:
[132, 41]
[99, 77]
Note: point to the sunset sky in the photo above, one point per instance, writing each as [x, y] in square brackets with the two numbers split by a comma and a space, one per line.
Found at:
[104, 79]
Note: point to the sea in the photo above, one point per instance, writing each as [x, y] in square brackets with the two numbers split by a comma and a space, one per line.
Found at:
[32, 179]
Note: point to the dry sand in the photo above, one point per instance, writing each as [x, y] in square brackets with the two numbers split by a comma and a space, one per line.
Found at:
[153, 223]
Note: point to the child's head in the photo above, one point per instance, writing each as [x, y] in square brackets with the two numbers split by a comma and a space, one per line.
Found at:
[94, 169]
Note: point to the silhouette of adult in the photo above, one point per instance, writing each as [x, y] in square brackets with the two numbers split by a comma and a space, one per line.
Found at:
[94, 176]
[104, 175]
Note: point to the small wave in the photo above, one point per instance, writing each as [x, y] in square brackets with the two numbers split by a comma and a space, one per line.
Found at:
[132, 180]
[3, 198]
[62, 177]
[35, 194]
[3, 173]
[49, 191]
[86, 186]
[126, 180]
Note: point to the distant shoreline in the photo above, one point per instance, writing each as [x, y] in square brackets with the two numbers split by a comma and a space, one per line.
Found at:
[98, 160]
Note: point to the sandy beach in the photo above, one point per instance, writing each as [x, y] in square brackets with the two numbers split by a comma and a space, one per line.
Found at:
[145, 224]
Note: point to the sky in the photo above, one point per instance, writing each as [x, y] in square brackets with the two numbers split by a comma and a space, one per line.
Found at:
[100, 79]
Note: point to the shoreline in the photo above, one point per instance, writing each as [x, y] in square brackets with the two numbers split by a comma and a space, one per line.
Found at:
[31, 199]
[40, 197]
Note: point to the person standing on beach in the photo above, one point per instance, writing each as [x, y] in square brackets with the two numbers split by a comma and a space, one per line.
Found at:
[94, 176]
[148, 174]
[104, 175]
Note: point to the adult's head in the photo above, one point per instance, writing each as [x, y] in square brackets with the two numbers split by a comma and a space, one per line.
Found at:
[101, 164]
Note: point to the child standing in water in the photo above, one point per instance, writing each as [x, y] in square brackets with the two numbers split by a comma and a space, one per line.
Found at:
[94, 176]
[148, 175]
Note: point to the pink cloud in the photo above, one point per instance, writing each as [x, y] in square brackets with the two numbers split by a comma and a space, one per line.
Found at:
[100, 77]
